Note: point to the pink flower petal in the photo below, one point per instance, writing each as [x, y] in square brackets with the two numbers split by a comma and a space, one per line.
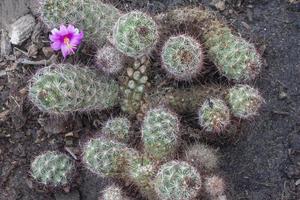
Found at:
[63, 30]
[76, 39]
[71, 29]
[56, 45]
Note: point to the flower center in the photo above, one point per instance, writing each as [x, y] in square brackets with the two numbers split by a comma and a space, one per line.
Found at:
[66, 40]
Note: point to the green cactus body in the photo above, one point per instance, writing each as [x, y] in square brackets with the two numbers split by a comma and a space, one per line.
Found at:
[64, 88]
[52, 169]
[95, 18]
[106, 157]
[109, 60]
[177, 180]
[117, 128]
[214, 115]
[134, 86]
[236, 58]
[244, 101]
[142, 172]
[135, 34]
[160, 133]
[182, 57]
[202, 157]
[113, 193]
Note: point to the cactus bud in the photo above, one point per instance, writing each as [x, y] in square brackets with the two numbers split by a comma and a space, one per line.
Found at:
[160, 132]
[214, 115]
[215, 186]
[52, 169]
[135, 34]
[177, 180]
[244, 101]
[113, 192]
[182, 57]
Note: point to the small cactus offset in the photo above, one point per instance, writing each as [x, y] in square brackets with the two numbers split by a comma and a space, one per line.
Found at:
[177, 180]
[244, 101]
[202, 157]
[113, 192]
[135, 34]
[64, 88]
[52, 169]
[236, 59]
[95, 18]
[182, 57]
[160, 133]
[106, 157]
[117, 128]
[215, 187]
[109, 60]
[214, 115]
[134, 86]
[141, 172]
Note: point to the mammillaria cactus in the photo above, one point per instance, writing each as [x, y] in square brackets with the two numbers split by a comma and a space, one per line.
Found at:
[63, 88]
[182, 57]
[177, 180]
[214, 115]
[52, 169]
[109, 59]
[236, 58]
[95, 18]
[117, 128]
[202, 156]
[215, 187]
[244, 101]
[135, 34]
[134, 86]
[141, 172]
[160, 133]
[113, 192]
[106, 157]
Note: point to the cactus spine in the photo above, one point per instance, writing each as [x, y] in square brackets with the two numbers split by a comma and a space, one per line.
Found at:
[63, 88]
[117, 128]
[182, 57]
[160, 133]
[214, 115]
[95, 18]
[134, 86]
[113, 192]
[244, 101]
[135, 34]
[109, 60]
[177, 180]
[52, 169]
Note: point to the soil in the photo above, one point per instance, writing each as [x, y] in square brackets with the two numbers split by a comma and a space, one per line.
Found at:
[263, 164]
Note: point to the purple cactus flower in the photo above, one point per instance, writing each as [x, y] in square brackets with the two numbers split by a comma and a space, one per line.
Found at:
[65, 39]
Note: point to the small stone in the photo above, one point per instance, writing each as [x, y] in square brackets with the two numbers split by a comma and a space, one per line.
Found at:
[218, 4]
[282, 95]
[21, 29]
[48, 51]
[5, 46]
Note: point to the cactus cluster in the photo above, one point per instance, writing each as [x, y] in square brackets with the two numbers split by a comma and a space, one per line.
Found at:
[113, 192]
[214, 115]
[109, 60]
[95, 18]
[117, 128]
[160, 131]
[134, 86]
[182, 57]
[135, 34]
[52, 168]
[63, 88]
[177, 180]
[244, 101]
